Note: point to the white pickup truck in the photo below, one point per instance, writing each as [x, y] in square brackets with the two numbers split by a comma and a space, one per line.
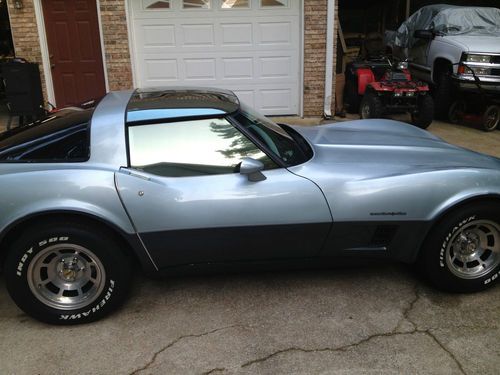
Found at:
[445, 43]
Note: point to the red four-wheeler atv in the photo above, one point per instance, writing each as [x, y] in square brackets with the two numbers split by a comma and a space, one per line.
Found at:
[375, 86]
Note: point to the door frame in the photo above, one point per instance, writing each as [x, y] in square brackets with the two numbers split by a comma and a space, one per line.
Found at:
[133, 59]
[44, 48]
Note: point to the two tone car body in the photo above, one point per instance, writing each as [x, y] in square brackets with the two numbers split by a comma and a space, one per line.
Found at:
[366, 189]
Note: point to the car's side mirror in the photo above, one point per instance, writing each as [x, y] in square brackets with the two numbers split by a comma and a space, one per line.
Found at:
[424, 34]
[252, 169]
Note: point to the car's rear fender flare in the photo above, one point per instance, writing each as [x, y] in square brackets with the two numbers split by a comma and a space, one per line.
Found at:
[130, 242]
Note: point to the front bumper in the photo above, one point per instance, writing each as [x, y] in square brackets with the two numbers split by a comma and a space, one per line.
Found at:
[466, 82]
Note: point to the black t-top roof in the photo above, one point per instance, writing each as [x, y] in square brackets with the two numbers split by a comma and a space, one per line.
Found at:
[152, 105]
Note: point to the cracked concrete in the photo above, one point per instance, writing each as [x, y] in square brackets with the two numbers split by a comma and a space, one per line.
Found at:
[379, 319]
[370, 320]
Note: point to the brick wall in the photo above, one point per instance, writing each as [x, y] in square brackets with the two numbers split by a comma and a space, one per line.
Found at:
[116, 47]
[25, 35]
[115, 35]
[315, 56]
[117, 54]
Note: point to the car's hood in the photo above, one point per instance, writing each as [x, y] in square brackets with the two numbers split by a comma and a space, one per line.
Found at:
[384, 147]
[476, 43]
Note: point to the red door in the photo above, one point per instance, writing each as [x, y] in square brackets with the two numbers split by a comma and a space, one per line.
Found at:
[75, 50]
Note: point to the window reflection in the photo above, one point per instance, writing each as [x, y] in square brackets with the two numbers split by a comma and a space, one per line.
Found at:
[273, 3]
[229, 4]
[196, 4]
[191, 148]
[156, 4]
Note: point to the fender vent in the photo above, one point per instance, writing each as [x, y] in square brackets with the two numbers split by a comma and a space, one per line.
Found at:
[383, 235]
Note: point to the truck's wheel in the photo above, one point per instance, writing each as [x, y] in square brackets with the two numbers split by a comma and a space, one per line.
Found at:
[457, 111]
[67, 274]
[462, 254]
[491, 118]
[371, 106]
[443, 97]
[425, 112]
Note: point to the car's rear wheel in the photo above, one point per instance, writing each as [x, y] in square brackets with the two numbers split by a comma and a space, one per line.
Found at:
[67, 274]
[463, 253]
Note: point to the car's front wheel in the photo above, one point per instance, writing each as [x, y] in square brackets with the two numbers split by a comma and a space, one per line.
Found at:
[63, 273]
[463, 253]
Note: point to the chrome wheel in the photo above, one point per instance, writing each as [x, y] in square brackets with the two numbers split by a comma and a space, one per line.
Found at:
[474, 251]
[66, 276]
[365, 111]
[491, 118]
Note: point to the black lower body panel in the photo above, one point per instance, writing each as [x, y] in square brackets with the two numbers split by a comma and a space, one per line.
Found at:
[235, 244]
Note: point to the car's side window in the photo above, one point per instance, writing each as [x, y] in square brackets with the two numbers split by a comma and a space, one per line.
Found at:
[63, 137]
[191, 148]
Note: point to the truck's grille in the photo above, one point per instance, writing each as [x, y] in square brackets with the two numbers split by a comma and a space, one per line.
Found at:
[495, 72]
[495, 59]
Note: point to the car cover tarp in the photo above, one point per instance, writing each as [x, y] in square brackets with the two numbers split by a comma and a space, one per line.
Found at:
[449, 20]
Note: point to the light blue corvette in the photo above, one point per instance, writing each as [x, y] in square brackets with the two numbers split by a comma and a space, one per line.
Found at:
[178, 179]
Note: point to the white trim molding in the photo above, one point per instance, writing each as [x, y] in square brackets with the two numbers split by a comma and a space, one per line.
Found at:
[330, 30]
[42, 35]
[44, 48]
[103, 52]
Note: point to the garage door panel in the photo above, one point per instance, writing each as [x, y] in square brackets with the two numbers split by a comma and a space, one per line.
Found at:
[243, 71]
[199, 69]
[275, 100]
[276, 67]
[275, 33]
[196, 35]
[253, 52]
[246, 96]
[237, 68]
[161, 70]
[234, 34]
[158, 36]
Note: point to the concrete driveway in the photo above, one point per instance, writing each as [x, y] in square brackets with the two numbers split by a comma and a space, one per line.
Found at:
[378, 319]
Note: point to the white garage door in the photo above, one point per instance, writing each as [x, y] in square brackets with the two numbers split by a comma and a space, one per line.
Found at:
[249, 46]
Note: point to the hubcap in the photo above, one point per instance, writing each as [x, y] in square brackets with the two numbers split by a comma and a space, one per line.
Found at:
[365, 111]
[66, 276]
[474, 251]
[492, 118]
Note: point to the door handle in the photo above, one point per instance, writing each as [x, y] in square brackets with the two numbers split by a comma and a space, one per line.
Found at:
[135, 173]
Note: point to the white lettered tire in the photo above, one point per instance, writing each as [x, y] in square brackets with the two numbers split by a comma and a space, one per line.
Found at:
[462, 254]
[67, 273]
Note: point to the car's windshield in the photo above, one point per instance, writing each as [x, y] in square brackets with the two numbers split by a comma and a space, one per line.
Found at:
[284, 143]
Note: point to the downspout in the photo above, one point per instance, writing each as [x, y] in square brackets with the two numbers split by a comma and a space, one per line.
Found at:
[330, 28]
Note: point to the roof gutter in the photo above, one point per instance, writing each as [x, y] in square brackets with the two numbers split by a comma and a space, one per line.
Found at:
[330, 27]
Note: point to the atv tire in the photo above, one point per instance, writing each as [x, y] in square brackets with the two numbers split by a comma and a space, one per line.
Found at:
[425, 112]
[371, 106]
[351, 97]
